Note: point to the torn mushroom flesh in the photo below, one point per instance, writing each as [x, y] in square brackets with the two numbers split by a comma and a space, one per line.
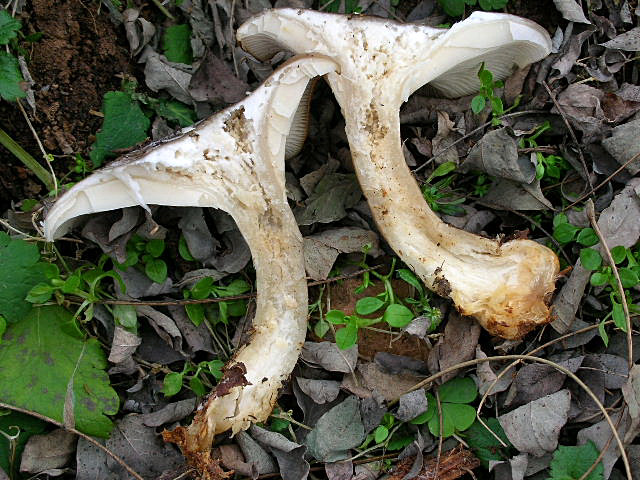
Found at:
[233, 161]
[505, 286]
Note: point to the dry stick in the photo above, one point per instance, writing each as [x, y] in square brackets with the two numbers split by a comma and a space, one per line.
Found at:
[191, 301]
[604, 449]
[569, 373]
[623, 298]
[605, 181]
[88, 438]
[571, 133]
[440, 426]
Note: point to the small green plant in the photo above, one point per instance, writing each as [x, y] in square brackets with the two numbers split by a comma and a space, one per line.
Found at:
[549, 166]
[176, 43]
[390, 434]
[10, 75]
[487, 95]
[350, 6]
[571, 463]
[197, 376]
[146, 255]
[484, 443]
[481, 185]
[421, 305]
[455, 8]
[457, 415]
[438, 195]
[218, 312]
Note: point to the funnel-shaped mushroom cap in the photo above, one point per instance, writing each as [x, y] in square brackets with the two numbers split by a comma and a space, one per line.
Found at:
[233, 161]
[505, 286]
[404, 55]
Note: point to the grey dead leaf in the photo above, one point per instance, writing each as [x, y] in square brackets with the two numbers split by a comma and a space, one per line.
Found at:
[538, 380]
[615, 368]
[419, 327]
[30, 95]
[232, 458]
[124, 345]
[321, 391]
[215, 82]
[486, 376]
[513, 469]
[339, 470]
[161, 74]
[537, 464]
[150, 229]
[91, 462]
[566, 303]
[256, 456]
[331, 197]
[196, 233]
[138, 30]
[141, 448]
[322, 249]
[571, 10]
[372, 411]
[628, 41]
[517, 196]
[445, 136]
[202, 27]
[164, 325]
[534, 428]
[172, 412]
[337, 431]
[600, 434]
[328, 356]
[97, 230]
[497, 154]
[49, 451]
[395, 364]
[582, 105]
[457, 345]
[139, 285]
[623, 145]
[290, 455]
[309, 181]
[631, 393]
[371, 380]
[618, 222]
[629, 92]
[583, 407]
[198, 338]
[411, 405]
[235, 254]
[571, 52]
[126, 224]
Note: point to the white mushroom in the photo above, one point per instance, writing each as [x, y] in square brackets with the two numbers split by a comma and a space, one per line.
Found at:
[505, 286]
[233, 161]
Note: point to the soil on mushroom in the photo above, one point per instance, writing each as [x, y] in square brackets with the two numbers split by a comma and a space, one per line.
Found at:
[75, 62]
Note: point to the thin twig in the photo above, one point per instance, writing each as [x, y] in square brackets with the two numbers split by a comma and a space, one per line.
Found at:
[623, 298]
[440, 426]
[88, 438]
[604, 449]
[567, 372]
[572, 134]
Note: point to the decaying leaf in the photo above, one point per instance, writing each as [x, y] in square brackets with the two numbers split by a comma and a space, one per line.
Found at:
[629, 41]
[453, 464]
[458, 344]
[571, 10]
[321, 391]
[330, 357]
[290, 455]
[45, 452]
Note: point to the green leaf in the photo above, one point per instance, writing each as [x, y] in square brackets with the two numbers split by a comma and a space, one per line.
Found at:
[492, 4]
[368, 305]
[618, 316]
[539, 171]
[453, 8]
[485, 76]
[172, 384]
[432, 408]
[176, 43]
[236, 287]
[598, 279]
[587, 237]
[448, 427]
[485, 445]
[183, 249]
[155, 247]
[602, 330]
[48, 368]
[347, 337]
[195, 312]
[478, 103]
[20, 271]
[496, 106]
[176, 111]
[410, 277]
[397, 315]
[197, 387]
[458, 390]
[156, 270]
[215, 368]
[126, 316]
[462, 416]
[41, 293]
[337, 317]
[10, 78]
[202, 289]
[565, 232]
[618, 253]
[22, 427]
[9, 27]
[3, 327]
[559, 219]
[380, 434]
[590, 258]
[570, 463]
[442, 170]
[124, 125]
[628, 277]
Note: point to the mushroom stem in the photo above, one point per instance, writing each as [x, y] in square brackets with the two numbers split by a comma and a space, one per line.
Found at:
[504, 285]
[233, 161]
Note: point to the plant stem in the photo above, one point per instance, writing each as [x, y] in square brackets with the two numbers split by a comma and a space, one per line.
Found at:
[30, 162]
